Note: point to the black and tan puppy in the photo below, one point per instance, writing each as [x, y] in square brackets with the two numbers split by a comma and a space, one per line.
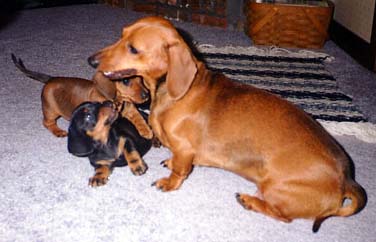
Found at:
[61, 95]
[97, 131]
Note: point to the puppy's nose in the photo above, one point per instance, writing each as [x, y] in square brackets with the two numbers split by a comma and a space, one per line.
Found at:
[108, 104]
[93, 61]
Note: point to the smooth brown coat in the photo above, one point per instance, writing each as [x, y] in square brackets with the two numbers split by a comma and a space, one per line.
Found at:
[61, 95]
[206, 119]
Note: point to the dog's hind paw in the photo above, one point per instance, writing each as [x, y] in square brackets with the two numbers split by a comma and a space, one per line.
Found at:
[59, 133]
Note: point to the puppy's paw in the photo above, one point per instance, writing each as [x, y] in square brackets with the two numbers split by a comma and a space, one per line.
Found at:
[138, 168]
[55, 130]
[155, 142]
[60, 133]
[98, 180]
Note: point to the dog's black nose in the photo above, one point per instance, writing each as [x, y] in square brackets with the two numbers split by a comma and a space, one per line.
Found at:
[93, 61]
[108, 104]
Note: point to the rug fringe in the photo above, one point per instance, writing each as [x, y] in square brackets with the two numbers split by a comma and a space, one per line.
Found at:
[363, 131]
[267, 50]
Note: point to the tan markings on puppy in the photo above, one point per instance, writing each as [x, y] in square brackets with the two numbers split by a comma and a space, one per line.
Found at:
[132, 114]
[102, 127]
[135, 162]
[105, 162]
[121, 145]
[102, 174]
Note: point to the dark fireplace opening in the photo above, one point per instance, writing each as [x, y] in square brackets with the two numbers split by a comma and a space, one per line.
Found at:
[221, 13]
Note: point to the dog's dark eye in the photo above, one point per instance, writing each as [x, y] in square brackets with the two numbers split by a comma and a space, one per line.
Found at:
[126, 81]
[88, 117]
[132, 49]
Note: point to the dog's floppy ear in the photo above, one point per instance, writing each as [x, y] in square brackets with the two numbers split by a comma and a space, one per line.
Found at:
[181, 69]
[104, 85]
[79, 144]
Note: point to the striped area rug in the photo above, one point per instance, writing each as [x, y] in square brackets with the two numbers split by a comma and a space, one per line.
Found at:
[299, 77]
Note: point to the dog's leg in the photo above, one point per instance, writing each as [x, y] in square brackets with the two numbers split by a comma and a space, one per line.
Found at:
[102, 173]
[155, 142]
[49, 119]
[51, 125]
[261, 206]
[181, 166]
[135, 162]
[130, 112]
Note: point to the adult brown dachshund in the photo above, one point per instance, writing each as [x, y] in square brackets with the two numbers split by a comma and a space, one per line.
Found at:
[61, 95]
[206, 119]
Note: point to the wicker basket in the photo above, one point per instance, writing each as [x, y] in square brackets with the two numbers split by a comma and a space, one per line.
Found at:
[286, 25]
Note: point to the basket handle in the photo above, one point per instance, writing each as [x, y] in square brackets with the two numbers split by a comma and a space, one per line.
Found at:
[260, 24]
[319, 27]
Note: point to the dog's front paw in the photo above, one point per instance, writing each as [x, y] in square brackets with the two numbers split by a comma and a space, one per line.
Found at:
[98, 180]
[168, 184]
[139, 168]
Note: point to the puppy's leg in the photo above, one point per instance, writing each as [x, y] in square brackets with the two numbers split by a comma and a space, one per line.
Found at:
[130, 112]
[51, 113]
[180, 165]
[261, 206]
[102, 172]
[135, 162]
[155, 142]
[49, 121]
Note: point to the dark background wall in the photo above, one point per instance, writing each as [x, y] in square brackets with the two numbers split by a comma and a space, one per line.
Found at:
[9, 5]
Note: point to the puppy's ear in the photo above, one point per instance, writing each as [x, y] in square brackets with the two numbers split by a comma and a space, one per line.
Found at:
[104, 85]
[181, 71]
[79, 144]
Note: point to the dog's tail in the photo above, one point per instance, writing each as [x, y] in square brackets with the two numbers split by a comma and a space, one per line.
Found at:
[358, 197]
[32, 74]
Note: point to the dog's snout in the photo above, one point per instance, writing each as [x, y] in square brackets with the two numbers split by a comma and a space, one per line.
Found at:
[93, 61]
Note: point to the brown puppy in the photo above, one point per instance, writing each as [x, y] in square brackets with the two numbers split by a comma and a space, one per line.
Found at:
[206, 119]
[126, 91]
[61, 95]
